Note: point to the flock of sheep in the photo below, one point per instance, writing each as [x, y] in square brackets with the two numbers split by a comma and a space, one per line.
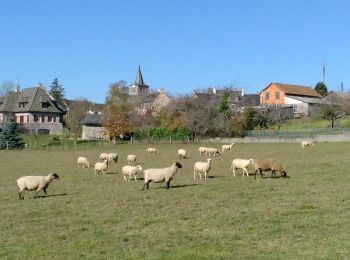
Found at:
[157, 175]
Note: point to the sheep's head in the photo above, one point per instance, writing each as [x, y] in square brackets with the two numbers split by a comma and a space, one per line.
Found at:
[209, 160]
[178, 165]
[54, 176]
[139, 168]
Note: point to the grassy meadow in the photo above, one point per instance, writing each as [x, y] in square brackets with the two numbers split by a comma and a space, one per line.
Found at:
[87, 216]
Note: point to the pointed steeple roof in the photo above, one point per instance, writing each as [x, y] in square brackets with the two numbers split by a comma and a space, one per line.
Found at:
[139, 79]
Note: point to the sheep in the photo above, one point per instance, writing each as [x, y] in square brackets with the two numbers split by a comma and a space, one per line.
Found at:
[112, 157]
[152, 150]
[307, 144]
[101, 167]
[181, 153]
[104, 156]
[202, 167]
[131, 171]
[240, 164]
[268, 165]
[83, 162]
[160, 175]
[37, 183]
[227, 147]
[202, 150]
[131, 158]
[212, 151]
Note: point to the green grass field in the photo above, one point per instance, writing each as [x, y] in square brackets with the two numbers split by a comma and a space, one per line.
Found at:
[86, 216]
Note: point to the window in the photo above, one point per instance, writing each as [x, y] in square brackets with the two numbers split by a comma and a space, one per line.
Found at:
[21, 119]
[49, 119]
[45, 104]
[277, 95]
[22, 104]
[36, 118]
[42, 119]
[267, 96]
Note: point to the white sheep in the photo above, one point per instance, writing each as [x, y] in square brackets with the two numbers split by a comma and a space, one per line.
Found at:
[181, 153]
[202, 167]
[131, 171]
[160, 175]
[101, 167]
[240, 164]
[37, 183]
[104, 156]
[202, 150]
[152, 150]
[307, 144]
[268, 165]
[112, 157]
[131, 158]
[227, 147]
[83, 162]
[212, 151]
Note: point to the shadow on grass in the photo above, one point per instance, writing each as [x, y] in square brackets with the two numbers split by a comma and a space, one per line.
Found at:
[52, 195]
[180, 186]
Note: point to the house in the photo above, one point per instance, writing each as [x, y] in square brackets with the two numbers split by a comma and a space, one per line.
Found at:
[304, 100]
[237, 98]
[34, 109]
[338, 98]
[139, 95]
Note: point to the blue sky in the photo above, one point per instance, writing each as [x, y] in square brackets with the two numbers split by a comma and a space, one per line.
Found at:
[181, 45]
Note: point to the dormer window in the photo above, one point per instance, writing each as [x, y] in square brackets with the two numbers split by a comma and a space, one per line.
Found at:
[22, 104]
[45, 104]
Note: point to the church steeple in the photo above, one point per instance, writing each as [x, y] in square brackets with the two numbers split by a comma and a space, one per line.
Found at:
[139, 79]
[139, 87]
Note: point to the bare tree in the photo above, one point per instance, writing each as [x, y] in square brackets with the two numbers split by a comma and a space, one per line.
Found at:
[332, 113]
[6, 86]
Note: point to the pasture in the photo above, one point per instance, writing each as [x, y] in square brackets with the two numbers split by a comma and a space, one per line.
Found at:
[103, 217]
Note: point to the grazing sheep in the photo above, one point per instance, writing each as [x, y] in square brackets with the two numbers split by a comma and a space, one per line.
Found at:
[112, 157]
[131, 158]
[152, 150]
[240, 164]
[227, 147]
[160, 175]
[307, 144]
[131, 171]
[101, 167]
[268, 165]
[212, 151]
[83, 162]
[202, 167]
[104, 156]
[37, 183]
[181, 153]
[202, 150]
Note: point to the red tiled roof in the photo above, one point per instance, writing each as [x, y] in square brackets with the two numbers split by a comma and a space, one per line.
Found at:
[290, 89]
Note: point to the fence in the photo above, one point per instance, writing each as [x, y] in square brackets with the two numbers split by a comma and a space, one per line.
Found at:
[306, 132]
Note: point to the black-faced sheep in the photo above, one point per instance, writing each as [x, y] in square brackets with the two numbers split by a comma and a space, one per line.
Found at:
[37, 183]
[307, 144]
[160, 175]
[268, 165]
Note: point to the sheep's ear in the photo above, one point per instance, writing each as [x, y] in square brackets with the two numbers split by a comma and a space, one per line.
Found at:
[56, 176]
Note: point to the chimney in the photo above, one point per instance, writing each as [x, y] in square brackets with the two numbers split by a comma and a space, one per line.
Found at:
[18, 88]
[242, 92]
[214, 90]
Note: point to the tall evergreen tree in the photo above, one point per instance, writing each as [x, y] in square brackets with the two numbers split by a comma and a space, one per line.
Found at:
[9, 137]
[57, 92]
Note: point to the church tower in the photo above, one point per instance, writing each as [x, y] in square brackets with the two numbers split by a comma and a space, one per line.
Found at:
[139, 87]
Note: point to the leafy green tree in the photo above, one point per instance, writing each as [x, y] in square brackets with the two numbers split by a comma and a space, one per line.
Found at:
[321, 88]
[57, 92]
[224, 106]
[9, 137]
